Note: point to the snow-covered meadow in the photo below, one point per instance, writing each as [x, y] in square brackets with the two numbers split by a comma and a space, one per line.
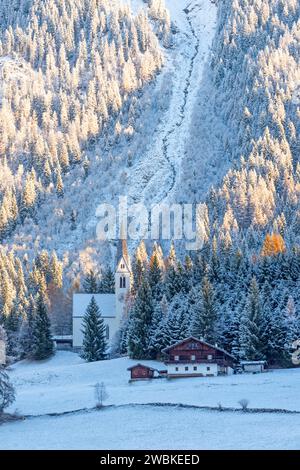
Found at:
[65, 383]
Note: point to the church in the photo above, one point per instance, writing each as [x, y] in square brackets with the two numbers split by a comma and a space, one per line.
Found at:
[111, 305]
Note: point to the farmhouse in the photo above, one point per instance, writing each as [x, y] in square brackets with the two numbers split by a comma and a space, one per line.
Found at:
[192, 357]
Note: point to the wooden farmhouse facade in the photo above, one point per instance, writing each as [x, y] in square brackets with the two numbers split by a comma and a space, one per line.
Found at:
[192, 357]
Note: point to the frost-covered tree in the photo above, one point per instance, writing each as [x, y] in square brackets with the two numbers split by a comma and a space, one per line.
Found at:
[204, 312]
[94, 345]
[140, 319]
[90, 284]
[251, 325]
[107, 282]
[42, 346]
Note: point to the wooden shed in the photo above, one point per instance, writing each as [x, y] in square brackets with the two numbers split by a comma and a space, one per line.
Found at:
[253, 366]
[141, 372]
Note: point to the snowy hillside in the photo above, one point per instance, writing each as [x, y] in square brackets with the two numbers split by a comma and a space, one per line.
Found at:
[66, 383]
[143, 151]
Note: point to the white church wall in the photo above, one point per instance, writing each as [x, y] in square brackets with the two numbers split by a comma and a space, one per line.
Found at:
[112, 324]
[111, 305]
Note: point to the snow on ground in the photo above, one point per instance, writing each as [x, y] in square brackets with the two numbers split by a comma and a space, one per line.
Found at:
[149, 428]
[65, 383]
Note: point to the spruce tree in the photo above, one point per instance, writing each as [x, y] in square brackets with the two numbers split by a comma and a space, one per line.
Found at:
[26, 331]
[43, 346]
[155, 278]
[176, 324]
[94, 338]
[251, 326]
[205, 313]
[140, 320]
[12, 326]
[90, 284]
[107, 283]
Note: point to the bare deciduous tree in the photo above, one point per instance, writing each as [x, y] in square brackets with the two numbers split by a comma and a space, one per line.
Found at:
[244, 404]
[100, 394]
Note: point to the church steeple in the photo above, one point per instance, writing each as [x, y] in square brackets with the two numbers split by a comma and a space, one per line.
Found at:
[122, 276]
[122, 250]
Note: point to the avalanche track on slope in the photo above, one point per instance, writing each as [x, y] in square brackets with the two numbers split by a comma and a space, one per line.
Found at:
[155, 177]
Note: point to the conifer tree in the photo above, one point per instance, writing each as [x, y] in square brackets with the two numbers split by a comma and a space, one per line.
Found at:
[155, 278]
[26, 331]
[176, 324]
[12, 326]
[90, 284]
[107, 283]
[251, 326]
[94, 343]
[140, 320]
[205, 313]
[43, 346]
[157, 334]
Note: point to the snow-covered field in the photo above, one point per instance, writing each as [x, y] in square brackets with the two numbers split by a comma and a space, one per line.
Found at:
[66, 383]
[149, 428]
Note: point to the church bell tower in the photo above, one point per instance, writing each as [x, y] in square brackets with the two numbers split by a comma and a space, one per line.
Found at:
[122, 277]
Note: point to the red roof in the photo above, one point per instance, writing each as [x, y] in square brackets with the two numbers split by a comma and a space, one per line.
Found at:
[192, 338]
[140, 365]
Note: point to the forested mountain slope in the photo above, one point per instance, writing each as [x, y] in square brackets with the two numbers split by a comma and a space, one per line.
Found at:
[114, 103]
[242, 289]
[75, 77]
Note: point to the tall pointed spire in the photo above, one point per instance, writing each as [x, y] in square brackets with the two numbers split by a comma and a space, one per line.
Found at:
[122, 250]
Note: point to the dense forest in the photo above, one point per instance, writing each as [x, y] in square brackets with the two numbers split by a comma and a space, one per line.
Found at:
[245, 283]
[78, 94]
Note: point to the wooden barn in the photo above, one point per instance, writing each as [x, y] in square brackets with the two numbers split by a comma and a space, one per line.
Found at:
[192, 357]
[141, 372]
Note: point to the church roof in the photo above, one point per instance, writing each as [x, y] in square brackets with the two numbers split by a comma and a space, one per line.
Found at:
[106, 303]
[122, 252]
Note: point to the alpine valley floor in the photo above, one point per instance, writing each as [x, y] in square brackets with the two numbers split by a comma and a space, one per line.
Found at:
[142, 413]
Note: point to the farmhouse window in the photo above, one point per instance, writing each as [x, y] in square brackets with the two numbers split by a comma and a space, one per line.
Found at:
[207, 368]
[177, 369]
[209, 357]
[195, 367]
[176, 358]
[193, 357]
[186, 368]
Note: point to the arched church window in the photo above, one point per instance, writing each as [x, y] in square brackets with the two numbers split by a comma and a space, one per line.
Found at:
[122, 282]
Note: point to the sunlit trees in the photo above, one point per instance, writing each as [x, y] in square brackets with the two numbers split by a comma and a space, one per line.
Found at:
[273, 245]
